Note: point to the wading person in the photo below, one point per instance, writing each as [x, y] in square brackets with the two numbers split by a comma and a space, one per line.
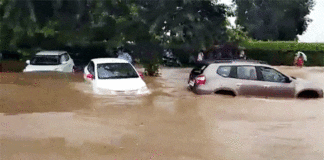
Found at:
[124, 55]
[200, 56]
[300, 61]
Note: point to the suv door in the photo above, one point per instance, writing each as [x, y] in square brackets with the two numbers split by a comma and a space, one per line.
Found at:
[248, 81]
[275, 83]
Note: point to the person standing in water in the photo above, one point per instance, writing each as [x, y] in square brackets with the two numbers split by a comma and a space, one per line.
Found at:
[200, 56]
[300, 61]
[124, 55]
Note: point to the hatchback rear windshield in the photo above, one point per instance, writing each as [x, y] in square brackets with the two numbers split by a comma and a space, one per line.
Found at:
[116, 70]
[45, 60]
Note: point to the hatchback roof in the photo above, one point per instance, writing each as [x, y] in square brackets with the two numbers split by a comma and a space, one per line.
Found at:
[50, 52]
[108, 60]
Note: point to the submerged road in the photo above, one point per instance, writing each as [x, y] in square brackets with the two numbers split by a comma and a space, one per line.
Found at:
[58, 117]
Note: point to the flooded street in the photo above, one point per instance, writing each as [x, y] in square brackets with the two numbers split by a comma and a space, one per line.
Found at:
[58, 117]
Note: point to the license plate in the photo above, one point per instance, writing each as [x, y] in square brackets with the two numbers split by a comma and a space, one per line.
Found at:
[191, 83]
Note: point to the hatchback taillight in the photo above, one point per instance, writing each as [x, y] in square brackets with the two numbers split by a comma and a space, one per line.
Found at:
[200, 80]
[90, 76]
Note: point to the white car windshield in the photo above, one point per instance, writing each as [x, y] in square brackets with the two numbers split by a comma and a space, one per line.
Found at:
[45, 60]
[116, 70]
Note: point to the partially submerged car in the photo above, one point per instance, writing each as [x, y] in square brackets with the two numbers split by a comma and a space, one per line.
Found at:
[114, 76]
[251, 78]
[59, 61]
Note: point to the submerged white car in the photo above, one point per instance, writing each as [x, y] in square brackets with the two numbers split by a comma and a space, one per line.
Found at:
[59, 61]
[114, 76]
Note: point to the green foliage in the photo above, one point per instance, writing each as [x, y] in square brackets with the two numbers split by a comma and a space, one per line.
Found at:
[283, 52]
[283, 45]
[150, 25]
[274, 19]
[150, 55]
[185, 24]
[237, 34]
[280, 57]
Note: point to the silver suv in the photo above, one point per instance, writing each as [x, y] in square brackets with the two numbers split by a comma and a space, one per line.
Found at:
[251, 78]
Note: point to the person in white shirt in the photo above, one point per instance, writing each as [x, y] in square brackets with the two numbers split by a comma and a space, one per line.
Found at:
[242, 55]
[125, 56]
[200, 56]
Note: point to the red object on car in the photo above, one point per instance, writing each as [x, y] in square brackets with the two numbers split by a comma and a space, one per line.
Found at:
[141, 74]
[90, 76]
[200, 80]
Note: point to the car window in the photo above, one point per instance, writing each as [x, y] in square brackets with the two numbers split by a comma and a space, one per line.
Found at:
[67, 57]
[45, 60]
[224, 71]
[272, 75]
[116, 70]
[64, 57]
[91, 68]
[246, 72]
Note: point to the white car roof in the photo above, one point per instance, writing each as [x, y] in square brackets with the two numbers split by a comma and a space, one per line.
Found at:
[242, 63]
[50, 53]
[108, 60]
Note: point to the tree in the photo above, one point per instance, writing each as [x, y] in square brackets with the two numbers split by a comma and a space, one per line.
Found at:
[237, 35]
[37, 20]
[53, 24]
[185, 23]
[273, 19]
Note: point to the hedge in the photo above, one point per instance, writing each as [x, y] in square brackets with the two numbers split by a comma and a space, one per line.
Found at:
[275, 57]
[283, 53]
[283, 45]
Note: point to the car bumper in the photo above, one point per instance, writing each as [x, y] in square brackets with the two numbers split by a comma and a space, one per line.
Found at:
[198, 90]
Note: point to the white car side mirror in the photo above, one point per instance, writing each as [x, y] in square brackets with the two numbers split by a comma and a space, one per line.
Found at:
[28, 62]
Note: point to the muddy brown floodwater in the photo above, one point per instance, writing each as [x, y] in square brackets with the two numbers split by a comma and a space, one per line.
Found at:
[57, 117]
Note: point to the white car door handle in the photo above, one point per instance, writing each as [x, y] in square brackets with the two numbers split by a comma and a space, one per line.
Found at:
[238, 84]
[266, 86]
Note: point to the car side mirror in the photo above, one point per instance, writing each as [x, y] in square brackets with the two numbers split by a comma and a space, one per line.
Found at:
[28, 62]
[287, 80]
